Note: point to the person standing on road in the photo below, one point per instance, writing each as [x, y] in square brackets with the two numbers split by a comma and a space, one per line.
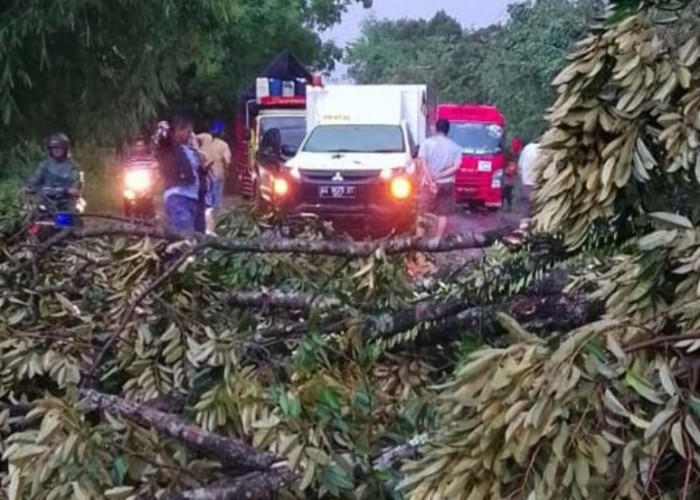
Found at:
[178, 163]
[218, 154]
[526, 165]
[441, 157]
[510, 174]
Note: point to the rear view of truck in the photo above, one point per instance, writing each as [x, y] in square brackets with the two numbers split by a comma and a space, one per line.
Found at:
[479, 131]
[356, 167]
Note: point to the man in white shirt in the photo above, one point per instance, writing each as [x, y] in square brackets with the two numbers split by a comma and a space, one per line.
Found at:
[440, 157]
[526, 163]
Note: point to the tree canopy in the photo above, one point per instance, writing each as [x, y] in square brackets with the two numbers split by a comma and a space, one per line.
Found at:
[509, 65]
[98, 69]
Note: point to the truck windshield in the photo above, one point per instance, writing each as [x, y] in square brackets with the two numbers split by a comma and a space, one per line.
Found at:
[292, 129]
[356, 139]
[477, 138]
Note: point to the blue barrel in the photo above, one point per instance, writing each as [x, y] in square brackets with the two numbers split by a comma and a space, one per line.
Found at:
[275, 87]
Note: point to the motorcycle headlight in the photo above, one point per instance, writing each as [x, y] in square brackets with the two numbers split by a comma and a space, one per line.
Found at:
[138, 180]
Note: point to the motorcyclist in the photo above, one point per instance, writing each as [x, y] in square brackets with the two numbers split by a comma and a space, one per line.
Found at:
[140, 157]
[59, 174]
[140, 179]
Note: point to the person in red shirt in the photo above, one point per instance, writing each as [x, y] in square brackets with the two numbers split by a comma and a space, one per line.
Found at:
[509, 177]
[510, 174]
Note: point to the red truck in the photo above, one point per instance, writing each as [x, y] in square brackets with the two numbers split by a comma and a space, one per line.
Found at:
[479, 131]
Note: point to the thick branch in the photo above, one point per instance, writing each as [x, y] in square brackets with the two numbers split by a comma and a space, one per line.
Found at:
[390, 457]
[279, 300]
[541, 315]
[401, 321]
[253, 486]
[390, 246]
[231, 452]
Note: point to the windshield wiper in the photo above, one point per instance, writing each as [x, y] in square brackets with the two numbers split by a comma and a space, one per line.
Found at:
[385, 151]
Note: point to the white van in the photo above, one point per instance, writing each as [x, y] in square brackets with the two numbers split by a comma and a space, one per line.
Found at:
[356, 165]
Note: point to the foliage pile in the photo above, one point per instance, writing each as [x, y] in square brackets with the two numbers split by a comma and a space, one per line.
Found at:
[315, 366]
[613, 409]
[321, 352]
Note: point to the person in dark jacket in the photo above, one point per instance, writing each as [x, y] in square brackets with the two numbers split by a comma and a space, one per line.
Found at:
[178, 167]
[58, 171]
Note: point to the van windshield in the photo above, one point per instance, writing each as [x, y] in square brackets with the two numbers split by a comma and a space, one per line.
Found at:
[477, 138]
[292, 129]
[356, 139]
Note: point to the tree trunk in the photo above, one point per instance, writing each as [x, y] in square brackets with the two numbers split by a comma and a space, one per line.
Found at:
[390, 246]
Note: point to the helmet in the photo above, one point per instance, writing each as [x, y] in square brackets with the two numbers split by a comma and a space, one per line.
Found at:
[58, 140]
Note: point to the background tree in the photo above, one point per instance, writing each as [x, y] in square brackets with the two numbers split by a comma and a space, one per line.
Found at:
[509, 65]
[100, 69]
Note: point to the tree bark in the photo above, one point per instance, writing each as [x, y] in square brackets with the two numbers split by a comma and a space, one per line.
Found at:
[402, 451]
[540, 315]
[253, 486]
[231, 452]
[390, 246]
[280, 300]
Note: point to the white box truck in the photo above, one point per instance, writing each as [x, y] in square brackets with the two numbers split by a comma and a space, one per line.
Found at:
[356, 166]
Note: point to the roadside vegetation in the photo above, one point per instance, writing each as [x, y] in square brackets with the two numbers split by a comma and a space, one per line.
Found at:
[509, 65]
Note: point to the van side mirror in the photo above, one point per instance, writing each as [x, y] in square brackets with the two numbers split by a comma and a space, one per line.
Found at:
[415, 151]
[247, 135]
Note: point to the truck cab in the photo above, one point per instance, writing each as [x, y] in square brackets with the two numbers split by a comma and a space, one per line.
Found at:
[280, 133]
[356, 166]
[276, 99]
[479, 131]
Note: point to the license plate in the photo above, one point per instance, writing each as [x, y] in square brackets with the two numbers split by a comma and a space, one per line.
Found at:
[337, 191]
[484, 166]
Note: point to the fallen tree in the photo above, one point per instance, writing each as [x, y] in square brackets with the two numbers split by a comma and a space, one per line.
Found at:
[112, 312]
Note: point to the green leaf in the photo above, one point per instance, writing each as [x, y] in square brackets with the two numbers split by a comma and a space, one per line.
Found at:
[677, 438]
[119, 470]
[656, 240]
[642, 388]
[658, 422]
[692, 428]
[672, 219]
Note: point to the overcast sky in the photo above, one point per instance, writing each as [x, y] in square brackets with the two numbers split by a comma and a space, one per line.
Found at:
[470, 13]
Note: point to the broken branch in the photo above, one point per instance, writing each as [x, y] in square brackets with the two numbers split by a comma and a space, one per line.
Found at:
[253, 486]
[231, 452]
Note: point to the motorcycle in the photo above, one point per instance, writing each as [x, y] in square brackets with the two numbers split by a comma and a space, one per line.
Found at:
[47, 220]
[139, 203]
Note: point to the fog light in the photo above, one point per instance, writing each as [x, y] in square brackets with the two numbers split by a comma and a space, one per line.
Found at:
[280, 187]
[401, 188]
